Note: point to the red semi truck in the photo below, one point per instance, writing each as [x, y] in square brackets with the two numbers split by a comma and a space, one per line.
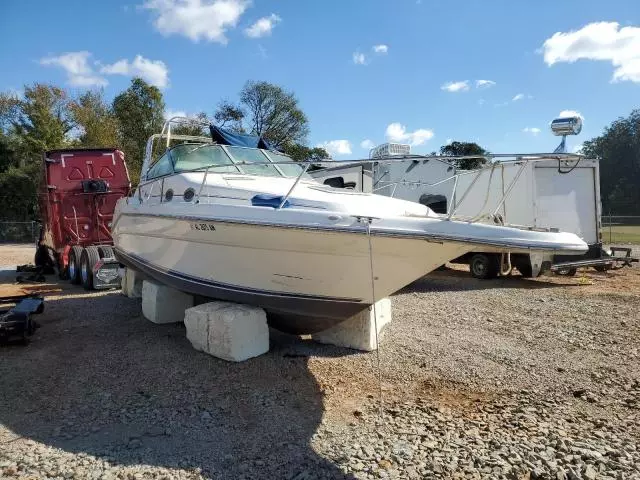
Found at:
[78, 195]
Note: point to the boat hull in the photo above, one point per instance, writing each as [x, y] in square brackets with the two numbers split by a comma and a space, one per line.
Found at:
[307, 280]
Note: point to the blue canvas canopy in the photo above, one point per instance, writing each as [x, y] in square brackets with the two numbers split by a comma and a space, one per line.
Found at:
[225, 137]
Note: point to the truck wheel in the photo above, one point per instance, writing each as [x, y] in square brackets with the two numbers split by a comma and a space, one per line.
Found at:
[484, 266]
[105, 251]
[90, 257]
[73, 268]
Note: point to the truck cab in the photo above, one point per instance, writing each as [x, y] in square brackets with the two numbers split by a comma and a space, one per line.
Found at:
[78, 194]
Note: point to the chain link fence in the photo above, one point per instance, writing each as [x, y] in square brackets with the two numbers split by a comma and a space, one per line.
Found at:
[19, 232]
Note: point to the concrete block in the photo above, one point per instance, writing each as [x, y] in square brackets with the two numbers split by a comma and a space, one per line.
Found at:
[359, 331]
[131, 283]
[229, 331]
[162, 304]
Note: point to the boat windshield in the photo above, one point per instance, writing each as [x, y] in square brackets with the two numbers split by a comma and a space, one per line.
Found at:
[193, 156]
[224, 159]
[289, 170]
[253, 161]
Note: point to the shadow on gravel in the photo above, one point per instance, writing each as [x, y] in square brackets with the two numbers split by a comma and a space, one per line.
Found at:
[99, 379]
[457, 280]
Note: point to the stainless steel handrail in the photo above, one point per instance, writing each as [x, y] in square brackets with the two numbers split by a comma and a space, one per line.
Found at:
[494, 159]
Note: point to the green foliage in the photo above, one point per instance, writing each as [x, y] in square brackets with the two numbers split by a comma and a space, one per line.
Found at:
[18, 197]
[229, 116]
[140, 113]
[465, 149]
[618, 150]
[41, 123]
[8, 157]
[192, 128]
[94, 118]
[301, 153]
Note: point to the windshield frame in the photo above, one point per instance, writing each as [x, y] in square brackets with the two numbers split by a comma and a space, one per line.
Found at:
[234, 162]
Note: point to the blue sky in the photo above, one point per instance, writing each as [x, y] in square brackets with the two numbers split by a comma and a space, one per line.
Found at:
[401, 70]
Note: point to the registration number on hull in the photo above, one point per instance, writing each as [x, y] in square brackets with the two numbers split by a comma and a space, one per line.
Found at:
[205, 227]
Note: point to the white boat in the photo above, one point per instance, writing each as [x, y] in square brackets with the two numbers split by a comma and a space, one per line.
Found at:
[248, 225]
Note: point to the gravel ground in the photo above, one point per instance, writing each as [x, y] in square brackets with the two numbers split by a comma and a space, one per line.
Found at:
[515, 379]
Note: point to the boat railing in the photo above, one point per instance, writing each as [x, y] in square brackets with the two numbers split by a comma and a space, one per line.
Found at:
[493, 161]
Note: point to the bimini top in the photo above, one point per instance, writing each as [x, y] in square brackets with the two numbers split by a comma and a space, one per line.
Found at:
[225, 137]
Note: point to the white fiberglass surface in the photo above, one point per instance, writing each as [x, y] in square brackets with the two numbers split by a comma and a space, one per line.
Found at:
[306, 194]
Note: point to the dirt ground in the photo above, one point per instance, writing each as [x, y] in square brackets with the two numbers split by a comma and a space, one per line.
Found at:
[101, 391]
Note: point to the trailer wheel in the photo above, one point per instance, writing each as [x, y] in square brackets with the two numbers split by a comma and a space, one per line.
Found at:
[484, 266]
[90, 257]
[567, 272]
[73, 269]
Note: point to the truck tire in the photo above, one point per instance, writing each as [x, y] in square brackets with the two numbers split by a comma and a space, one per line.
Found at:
[73, 268]
[484, 266]
[105, 251]
[90, 257]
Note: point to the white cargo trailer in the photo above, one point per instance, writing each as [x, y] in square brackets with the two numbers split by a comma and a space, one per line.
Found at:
[560, 193]
[546, 193]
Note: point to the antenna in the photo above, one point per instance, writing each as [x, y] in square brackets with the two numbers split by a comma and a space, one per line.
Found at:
[565, 126]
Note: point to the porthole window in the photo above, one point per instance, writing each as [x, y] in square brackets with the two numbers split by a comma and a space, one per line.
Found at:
[168, 196]
[188, 194]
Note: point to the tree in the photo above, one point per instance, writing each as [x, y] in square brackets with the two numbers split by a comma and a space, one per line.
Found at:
[266, 110]
[194, 128]
[465, 149]
[140, 113]
[300, 153]
[95, 119]
[618, 150]
[229, 116]
[41, 123]
[19, 199]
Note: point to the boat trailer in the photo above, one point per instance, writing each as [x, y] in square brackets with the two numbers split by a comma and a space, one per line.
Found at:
[17, 321]
[620, 257]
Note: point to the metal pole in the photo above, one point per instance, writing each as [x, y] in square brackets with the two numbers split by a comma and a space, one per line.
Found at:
[204, 179]
[284, 200]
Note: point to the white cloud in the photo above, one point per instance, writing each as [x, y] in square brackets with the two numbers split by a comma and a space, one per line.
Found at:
[262, 27]
[519, 96]
[481, 101]
[367, 144]
[153, 71]
[485, 83]
[570, 113]
[604, 41]
[381, 49]
[359, 58]
[461, 86]
[197, 19]
[337, 147]
[396, 132]
[578, 148]
[76, 65]
[532, 130]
